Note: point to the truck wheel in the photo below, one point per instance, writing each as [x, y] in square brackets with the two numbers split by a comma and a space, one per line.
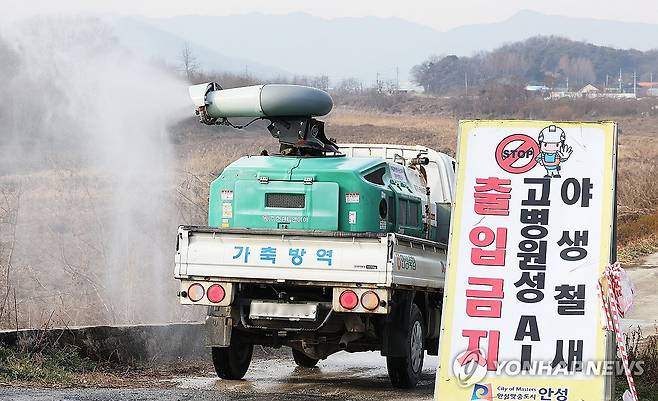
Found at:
[303, 360]
[232, 362]
[404, 371]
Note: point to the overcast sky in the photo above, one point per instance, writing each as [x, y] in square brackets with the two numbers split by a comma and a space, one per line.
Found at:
[440, 14]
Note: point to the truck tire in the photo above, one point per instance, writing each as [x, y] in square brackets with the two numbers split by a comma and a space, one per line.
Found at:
[405, 371]
[232, 362]
[303, 360]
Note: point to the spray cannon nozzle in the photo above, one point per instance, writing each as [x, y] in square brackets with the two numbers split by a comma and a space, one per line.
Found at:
[290, 109]
[199, 94]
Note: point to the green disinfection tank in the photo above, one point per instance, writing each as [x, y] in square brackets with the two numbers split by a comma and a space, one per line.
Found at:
[336, 193]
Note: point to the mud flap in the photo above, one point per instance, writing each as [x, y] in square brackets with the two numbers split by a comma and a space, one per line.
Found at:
[433, 320]
[395, 335]
[432, 346]
[218, 331]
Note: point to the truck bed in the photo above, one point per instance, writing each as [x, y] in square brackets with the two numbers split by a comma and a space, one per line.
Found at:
[309, 257]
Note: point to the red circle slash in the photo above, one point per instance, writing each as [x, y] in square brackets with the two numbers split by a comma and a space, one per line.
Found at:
[512, 160]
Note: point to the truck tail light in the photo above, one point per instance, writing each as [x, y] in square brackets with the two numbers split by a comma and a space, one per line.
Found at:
[370, 300]
[348, 299]
[216, 293]
[195, 292]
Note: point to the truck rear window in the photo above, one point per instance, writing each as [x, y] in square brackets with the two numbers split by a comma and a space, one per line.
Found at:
[287, 201]
[376, 177]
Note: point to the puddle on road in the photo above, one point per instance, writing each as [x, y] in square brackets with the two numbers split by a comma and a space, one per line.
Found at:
[361, 376]
[195, 382]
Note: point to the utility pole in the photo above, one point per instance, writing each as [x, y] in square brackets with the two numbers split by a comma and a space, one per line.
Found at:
[651, 77]
[466, 82]
[397, 77]
[567, 84]
[606, 82]
[635, 83]
[620, 80]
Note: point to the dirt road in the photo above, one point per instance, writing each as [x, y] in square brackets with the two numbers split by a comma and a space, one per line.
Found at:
[342, 376]
[645, 308]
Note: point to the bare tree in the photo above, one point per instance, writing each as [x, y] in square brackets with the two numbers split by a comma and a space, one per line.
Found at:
[320, 82]
[349, 86]
[189, 62]
[579, 70]
[10, 199]
[583, 69]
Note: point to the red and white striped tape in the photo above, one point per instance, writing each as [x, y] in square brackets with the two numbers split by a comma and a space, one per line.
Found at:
[610, 295]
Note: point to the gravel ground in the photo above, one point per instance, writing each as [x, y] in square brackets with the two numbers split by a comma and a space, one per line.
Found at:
[343, 376]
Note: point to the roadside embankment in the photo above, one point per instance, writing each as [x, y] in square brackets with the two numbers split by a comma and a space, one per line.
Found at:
[118, 344]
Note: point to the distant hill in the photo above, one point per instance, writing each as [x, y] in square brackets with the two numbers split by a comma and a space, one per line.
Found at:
[466, 40]
[366, 47]
[551, 61]
[154, 43]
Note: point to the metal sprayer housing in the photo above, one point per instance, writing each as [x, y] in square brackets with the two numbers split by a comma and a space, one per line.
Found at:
[271, 100]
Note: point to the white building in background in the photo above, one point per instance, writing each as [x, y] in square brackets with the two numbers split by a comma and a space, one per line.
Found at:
[614, 95]
[561, 93]
[589, 90]
[648, 88]
[537, 88]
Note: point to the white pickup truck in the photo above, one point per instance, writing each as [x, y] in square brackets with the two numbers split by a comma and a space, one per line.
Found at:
[355, 291]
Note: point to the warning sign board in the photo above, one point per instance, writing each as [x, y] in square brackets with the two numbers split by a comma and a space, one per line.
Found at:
[530, 235]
